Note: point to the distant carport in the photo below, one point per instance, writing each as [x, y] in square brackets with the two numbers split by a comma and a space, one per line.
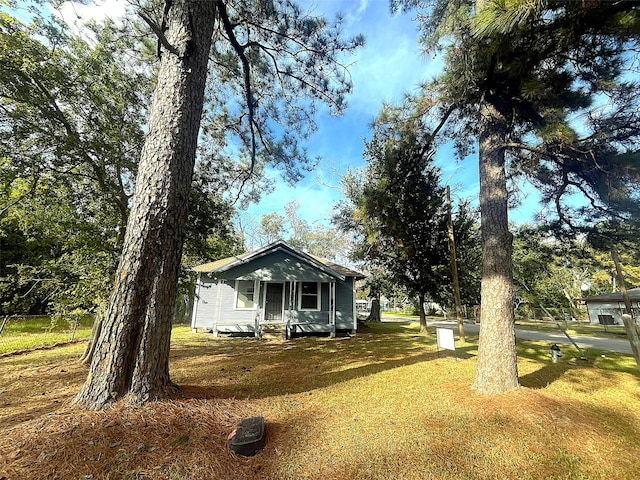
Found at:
[607, 309]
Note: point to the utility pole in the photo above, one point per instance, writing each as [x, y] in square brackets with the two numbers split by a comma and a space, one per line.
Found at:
[454, 269]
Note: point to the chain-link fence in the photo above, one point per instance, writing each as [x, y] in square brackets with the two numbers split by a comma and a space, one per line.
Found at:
[27, 333]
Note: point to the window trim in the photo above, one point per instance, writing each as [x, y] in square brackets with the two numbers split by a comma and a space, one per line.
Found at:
[236, 294]
[318, 299]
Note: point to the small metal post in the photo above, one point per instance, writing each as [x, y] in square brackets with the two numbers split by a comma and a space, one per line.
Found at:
[555, 353]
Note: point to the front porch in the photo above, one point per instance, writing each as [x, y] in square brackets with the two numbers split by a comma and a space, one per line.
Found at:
[276, 285]
[297, 307]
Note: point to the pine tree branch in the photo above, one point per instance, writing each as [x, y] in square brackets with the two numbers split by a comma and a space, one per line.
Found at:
[246, 67]
[159, 33]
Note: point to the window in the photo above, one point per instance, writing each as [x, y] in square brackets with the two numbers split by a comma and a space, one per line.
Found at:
[309, 297]
[245, 294]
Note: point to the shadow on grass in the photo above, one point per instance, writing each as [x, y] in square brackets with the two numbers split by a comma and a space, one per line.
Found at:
[241, 368]
[251, 379]
[136, 442]
[545, 376]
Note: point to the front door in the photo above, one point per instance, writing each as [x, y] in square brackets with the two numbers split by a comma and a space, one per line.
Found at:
[273, 302]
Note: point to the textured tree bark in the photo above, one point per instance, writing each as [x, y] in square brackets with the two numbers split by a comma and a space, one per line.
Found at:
[497, 369]
[132, 355]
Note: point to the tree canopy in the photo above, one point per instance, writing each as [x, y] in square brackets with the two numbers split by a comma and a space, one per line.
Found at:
[546, 89]
[72, 112]
[266, 65]
[71, 115]
[397, 210]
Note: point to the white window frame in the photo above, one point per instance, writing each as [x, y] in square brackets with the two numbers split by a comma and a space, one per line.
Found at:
[318, 295]
[237, 292]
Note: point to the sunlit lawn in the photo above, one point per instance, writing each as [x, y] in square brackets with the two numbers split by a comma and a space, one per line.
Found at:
[30, 333]
[384, 404]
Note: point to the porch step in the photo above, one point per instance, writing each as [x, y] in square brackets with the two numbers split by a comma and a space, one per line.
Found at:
[273, 331]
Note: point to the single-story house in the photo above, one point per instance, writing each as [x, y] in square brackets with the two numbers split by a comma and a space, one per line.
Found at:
[607, 309]
[275, 285]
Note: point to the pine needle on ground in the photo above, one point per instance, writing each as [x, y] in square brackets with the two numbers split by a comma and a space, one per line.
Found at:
[383, 404]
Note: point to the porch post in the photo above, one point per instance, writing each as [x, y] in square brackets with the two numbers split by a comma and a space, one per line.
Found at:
[194, 313]
[332, 308]
[257, 324]
[218, 306]
[355, 310]
[287, 327]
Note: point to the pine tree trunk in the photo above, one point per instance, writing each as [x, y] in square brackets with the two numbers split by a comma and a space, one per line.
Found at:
[132, 355]
[497, 369]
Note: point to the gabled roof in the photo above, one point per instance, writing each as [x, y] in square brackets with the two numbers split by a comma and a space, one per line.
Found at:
[347, 272]
[634, 295]
[330, 268]
[214, 266]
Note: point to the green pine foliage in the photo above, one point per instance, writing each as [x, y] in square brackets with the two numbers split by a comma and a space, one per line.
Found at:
[566, 72]
[396, 210]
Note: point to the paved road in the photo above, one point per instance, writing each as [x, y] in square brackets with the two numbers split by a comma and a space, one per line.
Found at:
[606, 344]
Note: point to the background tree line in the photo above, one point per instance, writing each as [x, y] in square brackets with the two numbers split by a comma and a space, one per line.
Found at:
[73, 113]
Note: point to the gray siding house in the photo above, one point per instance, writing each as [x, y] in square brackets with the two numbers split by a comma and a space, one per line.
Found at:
[608, 309]
[275, 285]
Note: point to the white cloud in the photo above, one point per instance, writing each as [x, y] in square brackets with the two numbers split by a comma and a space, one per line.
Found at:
[390, 64]
[385, 75]
[76, 15]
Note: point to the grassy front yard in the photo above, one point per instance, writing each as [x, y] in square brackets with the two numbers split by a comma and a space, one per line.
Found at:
[381, 405]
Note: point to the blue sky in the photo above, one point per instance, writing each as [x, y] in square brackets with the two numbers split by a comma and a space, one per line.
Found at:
[390, 64]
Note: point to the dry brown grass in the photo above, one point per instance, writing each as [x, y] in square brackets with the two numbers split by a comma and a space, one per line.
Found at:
[381, 405]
